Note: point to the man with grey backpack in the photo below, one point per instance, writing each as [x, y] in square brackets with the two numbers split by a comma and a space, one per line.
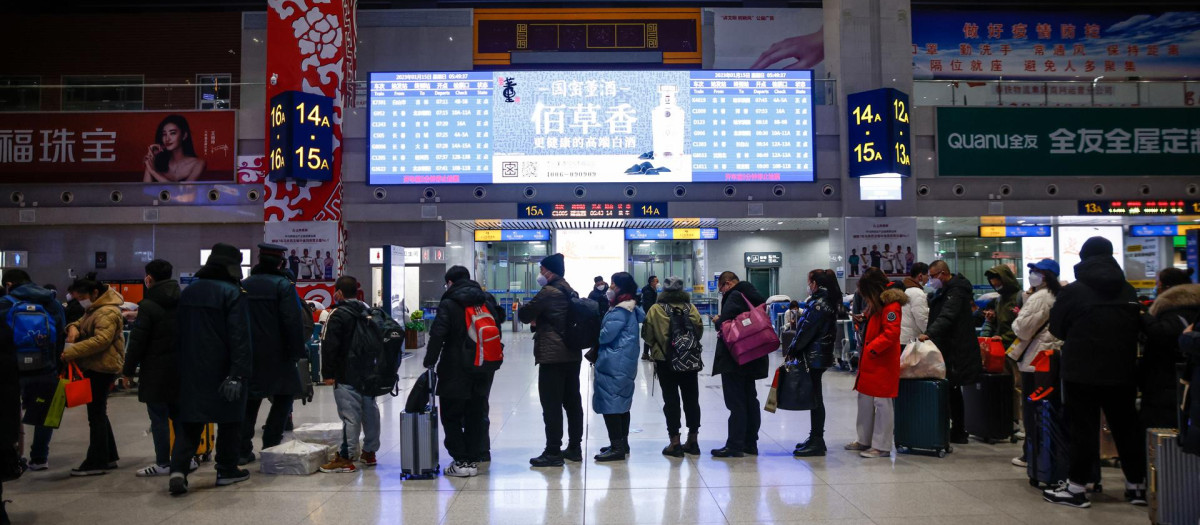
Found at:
[672, 332]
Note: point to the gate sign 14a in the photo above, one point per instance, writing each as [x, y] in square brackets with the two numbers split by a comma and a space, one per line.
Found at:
[879, 135]
[301, 137]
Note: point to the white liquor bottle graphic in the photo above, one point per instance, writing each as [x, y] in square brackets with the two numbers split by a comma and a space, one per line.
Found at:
[667, 125]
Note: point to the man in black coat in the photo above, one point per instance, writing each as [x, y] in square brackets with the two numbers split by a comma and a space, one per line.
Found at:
[462, 386]
[151, 356]
[648, 298]
[277, 335]
[1098, 319]
[600, 294]
[952, 330]
[558, 366]
[737, 381]
[215, 362]
[20, 286]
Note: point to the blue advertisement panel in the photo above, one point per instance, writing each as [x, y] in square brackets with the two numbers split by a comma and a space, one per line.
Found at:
[1193, 254]
[521, 127]
[670, 234]
[1055, 45]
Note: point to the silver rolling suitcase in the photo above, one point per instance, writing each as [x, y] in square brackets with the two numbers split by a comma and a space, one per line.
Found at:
[419, 440]
[1174, 480]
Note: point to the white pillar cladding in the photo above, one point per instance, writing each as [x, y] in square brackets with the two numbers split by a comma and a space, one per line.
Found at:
[868, 45]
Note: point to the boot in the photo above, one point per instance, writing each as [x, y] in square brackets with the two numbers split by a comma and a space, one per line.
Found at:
[692, 446]
[815, 446]
[615, 452]
[573, 452]
[549, 458]
[674, 449]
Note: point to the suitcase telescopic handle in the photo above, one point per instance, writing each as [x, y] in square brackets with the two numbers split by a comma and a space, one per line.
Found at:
[432, 389]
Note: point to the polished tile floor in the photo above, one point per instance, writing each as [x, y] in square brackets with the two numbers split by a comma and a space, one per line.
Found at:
[975, 485]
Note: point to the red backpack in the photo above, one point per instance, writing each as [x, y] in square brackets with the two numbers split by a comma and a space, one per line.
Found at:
[485, 333]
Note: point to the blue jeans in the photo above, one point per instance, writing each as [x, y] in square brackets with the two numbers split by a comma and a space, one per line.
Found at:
[39, 450]
[359, 415]
[160, 431]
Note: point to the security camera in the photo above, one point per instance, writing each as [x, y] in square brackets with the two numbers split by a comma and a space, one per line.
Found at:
[274, 78]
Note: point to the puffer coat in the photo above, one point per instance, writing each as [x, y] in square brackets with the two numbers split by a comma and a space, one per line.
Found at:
[617, 359]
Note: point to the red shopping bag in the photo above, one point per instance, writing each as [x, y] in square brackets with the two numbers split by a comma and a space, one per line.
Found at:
[78, 388]
[993, 354]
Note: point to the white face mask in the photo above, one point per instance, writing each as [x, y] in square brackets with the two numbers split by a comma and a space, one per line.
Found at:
[85, 303]
[611, 295]
[1036, 279]
[936, 284]
[541, 280]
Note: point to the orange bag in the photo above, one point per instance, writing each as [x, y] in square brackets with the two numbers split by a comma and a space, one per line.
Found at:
[78, 388]
[993, 354]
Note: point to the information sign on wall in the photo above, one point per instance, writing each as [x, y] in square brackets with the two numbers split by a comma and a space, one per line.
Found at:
[878, 133]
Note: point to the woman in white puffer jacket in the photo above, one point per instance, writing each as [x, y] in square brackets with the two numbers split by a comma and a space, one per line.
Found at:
[1032, 327]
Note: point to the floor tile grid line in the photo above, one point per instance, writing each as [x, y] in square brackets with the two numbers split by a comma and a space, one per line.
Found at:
[316, 508]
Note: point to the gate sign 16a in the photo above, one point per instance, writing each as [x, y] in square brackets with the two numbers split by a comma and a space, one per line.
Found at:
[521, 127]
[301, 139]
[879, 135]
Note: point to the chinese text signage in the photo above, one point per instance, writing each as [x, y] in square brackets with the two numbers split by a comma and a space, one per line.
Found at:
[764, 259]
[1068, 141]
[595, 210]
[133, 146]
[520, 127]
[301, 139]
[1140, 207]
[1054, 45]
[670, 234]
[1014, 231]
[879, 133]
[511, 235]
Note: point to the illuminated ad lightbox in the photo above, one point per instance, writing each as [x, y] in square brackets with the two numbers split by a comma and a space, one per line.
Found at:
[521, 127]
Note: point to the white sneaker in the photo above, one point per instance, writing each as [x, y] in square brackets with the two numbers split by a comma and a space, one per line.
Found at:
[193, 466]
[35, 467]
[153, 470]
[459, 469]
[1019, 462]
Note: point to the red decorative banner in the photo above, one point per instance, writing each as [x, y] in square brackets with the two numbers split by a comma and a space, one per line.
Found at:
[131, 146]
[251, 169]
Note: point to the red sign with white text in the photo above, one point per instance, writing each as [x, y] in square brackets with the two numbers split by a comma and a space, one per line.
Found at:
[131, 146]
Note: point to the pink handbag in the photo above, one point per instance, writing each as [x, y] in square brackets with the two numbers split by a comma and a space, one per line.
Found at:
[750, 335]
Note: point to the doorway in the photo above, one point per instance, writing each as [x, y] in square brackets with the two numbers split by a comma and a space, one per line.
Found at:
[765, 280]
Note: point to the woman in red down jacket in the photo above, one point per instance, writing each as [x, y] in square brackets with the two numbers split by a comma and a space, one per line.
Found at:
[878, 379]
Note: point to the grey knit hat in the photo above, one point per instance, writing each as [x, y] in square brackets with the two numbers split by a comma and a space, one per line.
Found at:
[673, 284]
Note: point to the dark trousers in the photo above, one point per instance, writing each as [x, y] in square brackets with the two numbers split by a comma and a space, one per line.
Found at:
[464, 421]
[160, 431]
[741, 398]
[187, 440]
[39, 449]
[618, 427]
[677, 387]
[1082, 404]
[958, 417]
[816, 416]
[277, 418]
[102, 447]
[558, 388]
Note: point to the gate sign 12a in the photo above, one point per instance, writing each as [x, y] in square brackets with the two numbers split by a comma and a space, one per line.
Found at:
[879, 136]
[301, 139]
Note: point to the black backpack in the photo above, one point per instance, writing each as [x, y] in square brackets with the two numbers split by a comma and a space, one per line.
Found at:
[683, 347]
[372, 366]
[583, 324]
[392, 330]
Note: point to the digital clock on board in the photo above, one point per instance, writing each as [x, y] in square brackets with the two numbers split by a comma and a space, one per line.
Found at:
[301, 137]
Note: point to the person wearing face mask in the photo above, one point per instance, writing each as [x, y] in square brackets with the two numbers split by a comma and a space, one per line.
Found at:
[738, 380]
[616, 366]
[151, 356]
[1032, 328]
[1004, 282]
[916, 312]
[72, 310]
[96, 343]
[815, 334]
[558, 366]
[677, 386]
[20, 288]
[951, 330]
[600, 294]
[277, 334]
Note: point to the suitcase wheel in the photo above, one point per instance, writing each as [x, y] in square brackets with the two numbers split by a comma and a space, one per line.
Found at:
[941, 453]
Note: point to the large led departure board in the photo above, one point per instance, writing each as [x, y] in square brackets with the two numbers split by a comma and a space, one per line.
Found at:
[520, 127]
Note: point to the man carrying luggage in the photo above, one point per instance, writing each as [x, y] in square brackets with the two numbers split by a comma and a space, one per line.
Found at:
[950, 328]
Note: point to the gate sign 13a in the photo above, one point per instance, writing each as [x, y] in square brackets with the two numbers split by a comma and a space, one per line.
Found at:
[879, 136]
[301, 139]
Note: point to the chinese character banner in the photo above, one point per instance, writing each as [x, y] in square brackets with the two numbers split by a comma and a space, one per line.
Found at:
[887, 243]
[1055, 45]
[133, 146]
[312, 247]
[1068, 141]
[591, 126]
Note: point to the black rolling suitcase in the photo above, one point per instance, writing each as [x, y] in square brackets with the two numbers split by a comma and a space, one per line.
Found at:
[922, 417]
[1047, 447]
[989, 408]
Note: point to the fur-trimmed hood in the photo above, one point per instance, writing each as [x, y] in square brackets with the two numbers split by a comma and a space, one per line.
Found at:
[1181, 296]
[892, 295]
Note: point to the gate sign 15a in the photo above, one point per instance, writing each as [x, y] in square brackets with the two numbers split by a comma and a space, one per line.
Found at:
[879, 134]
[301, 139]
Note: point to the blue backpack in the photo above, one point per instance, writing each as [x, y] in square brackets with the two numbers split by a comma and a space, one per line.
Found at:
[34, 335]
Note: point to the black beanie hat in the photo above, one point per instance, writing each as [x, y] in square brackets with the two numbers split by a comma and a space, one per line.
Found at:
[1096, 246]
[554, 263]
[227, 257]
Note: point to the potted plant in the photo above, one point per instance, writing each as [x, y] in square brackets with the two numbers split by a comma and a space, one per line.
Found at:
[414, 331]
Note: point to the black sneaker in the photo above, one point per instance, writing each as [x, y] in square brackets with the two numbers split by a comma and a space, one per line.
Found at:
[232, 476]
[88, 470]
[549, 458]
[751, 450]
[726, 452]
[1136, 497]
[960, 439]
[246, 460]
[178, 484]
[1062, 495]
[573, 453]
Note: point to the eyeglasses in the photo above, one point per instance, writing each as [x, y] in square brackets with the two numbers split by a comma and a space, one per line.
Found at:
[935, 275]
